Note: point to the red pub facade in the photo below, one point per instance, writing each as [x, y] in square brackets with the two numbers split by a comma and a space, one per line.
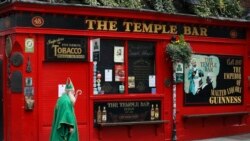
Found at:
[117, 58]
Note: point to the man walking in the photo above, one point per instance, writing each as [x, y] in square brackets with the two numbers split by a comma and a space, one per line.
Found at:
[64, 126]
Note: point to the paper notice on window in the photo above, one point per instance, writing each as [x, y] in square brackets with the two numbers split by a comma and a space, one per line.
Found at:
[131, 82]
[119, 73]
[151, 80]
[61, 89]
[95, 49]
[108, 75]
[118, 54]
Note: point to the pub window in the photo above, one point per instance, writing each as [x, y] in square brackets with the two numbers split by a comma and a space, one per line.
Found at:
[105, 66]
[123, 67]
[141, 67]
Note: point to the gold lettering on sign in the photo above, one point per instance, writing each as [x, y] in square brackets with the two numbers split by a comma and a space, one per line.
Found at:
[188, 30]
[101, 25]
[90, 24]
[113, 26]
[137, 27]
[173, 29]
[225, 100]
[127, 26]
[203, 31]
[147, 28]
[157, 28]
[141, 27]
[64, 50]
[195, 32]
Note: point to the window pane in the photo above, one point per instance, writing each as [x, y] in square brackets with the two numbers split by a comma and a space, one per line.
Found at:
[141, 67]
[105, 67]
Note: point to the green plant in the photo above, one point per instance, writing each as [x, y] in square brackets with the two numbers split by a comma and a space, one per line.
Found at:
[91, 2]
[222, 8]
[234, 9]
[158, 6]
[166, 6]
[111, 3]
[202, 9]
[179, 50]
[130, 3]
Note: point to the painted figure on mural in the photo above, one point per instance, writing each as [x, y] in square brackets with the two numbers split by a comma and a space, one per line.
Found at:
[207, 87]
[64, 126]
[195, 77]
[205, 92]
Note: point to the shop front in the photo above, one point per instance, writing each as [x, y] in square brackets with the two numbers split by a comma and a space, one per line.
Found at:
[118, 58]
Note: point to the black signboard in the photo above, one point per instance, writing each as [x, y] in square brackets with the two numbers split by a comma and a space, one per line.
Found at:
[141, 65]
[126, 111]
[65, 48]
[214, 80]
[76, 22]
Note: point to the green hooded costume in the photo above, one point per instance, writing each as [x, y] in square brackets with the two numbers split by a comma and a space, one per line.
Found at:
[64, 119]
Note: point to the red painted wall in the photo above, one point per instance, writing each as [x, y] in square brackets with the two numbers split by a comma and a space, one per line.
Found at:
[16, 118]
[36, 125]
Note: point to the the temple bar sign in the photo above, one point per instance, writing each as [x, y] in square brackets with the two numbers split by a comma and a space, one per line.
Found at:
[126, 111]
[154, 27]
[65, 48]
[141, 27]
[109, 24]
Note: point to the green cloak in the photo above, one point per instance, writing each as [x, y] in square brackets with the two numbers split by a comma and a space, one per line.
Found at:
[64, 118]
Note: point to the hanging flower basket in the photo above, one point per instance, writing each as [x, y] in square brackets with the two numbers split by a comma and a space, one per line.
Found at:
[179, 51]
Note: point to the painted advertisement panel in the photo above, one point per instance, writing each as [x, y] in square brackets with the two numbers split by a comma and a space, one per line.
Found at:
[213, 80]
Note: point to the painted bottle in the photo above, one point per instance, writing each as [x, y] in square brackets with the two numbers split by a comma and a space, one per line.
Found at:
[156, 112]
[152, 112]
[99, 115]
[104, 114]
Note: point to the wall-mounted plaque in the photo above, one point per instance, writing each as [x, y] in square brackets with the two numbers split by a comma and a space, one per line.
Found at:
[28, 81]
[65, 48]
[16, 82]
[16, 59]
[29, 45]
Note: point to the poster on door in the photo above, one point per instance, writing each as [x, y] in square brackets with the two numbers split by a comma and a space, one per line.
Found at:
[213, 80]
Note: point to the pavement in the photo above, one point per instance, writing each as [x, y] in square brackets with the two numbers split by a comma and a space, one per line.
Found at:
[242, 137]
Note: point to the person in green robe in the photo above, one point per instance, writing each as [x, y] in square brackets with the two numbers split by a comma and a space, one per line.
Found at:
[64, 126]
